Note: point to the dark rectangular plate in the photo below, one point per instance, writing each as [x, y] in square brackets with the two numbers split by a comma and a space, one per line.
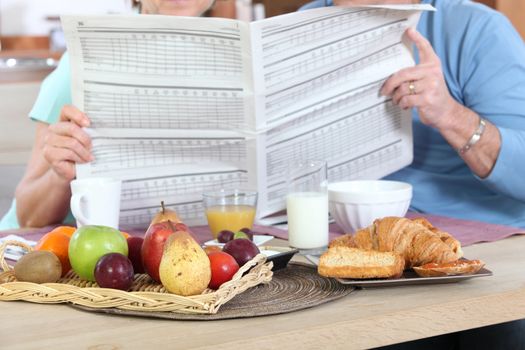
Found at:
[280, 257]
[410, 278]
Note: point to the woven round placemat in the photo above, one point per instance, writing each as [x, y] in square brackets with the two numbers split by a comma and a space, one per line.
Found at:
[296, 287]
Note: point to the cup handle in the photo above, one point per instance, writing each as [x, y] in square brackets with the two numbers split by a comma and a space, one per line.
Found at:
[75, 209]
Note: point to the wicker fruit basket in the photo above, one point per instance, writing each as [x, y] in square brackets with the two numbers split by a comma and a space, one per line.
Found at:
[144, 295]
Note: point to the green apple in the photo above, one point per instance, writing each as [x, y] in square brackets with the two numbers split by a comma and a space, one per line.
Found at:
[89, 243]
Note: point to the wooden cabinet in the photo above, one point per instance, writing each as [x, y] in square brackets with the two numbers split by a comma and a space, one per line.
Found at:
[513, 9]
[276, 7]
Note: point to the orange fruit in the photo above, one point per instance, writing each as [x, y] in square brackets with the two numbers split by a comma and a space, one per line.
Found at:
[67, 230]
[125, 234]
[57, 243]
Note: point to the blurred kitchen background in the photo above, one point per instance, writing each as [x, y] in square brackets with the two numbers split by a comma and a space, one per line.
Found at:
[31, 42]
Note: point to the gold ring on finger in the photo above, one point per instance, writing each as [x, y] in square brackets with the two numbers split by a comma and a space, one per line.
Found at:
[412, 87]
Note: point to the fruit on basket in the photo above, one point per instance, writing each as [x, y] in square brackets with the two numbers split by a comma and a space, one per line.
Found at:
[143, 296]
[40, 266]
[134, 253]
[153, 247]
[165, 214]
[184, 267]
[242, 250]
[114, 270]
[57, 242]
[188, 275]
[164, 223]
[223, 267]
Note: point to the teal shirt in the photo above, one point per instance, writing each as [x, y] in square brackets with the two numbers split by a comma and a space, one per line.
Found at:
[55, 92]
[483, 60]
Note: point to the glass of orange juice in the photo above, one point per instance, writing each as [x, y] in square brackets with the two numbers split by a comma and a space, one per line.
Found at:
[229, 210]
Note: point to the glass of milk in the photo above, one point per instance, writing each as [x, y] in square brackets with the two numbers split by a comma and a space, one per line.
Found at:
[307, 206]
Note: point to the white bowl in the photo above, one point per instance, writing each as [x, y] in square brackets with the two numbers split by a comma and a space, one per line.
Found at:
[356, 204]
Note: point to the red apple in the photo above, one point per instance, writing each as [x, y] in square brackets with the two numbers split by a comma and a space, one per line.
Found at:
[153, 247]
[135, 254]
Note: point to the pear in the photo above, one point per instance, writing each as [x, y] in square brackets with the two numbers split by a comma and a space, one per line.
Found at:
[165, 214]
[184, 267]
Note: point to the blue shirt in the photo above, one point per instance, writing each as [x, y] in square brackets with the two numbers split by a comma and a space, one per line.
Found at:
[483, 60]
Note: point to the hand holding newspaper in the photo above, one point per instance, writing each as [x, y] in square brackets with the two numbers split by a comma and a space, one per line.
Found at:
[182, 105]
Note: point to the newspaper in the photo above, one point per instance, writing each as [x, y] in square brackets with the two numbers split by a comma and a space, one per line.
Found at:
[179, 105]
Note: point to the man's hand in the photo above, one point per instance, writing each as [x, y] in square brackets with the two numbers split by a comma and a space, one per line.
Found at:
[423, 87]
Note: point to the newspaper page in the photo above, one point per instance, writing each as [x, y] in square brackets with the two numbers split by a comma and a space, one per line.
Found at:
[317, 77]
[180, 105]
[170, 106]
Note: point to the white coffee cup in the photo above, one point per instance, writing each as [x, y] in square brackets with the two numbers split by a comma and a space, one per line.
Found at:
[96, 201]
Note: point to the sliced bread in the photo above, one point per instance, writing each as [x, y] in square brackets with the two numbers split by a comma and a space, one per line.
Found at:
[348, 262]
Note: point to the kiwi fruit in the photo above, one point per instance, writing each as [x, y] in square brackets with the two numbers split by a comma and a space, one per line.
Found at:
[38, 266]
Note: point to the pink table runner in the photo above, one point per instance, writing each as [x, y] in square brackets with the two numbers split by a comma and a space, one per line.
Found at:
[471, 232]
[467, 232]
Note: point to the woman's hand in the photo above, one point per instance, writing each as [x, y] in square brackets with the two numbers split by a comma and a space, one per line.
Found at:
[423, 87]
[66, 143]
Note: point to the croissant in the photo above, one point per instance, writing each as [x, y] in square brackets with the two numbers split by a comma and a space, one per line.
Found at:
[418, 242]
[343, 241]
[444, 236]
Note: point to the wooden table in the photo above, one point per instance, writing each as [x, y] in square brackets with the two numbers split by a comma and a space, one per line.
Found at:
[365, 318]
